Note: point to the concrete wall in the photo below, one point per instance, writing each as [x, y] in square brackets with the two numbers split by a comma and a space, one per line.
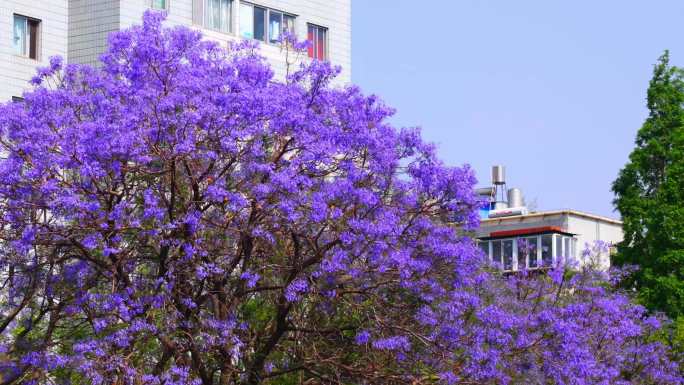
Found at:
[16, 71]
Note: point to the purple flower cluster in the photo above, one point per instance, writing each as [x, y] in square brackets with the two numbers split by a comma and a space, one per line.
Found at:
[178, 216]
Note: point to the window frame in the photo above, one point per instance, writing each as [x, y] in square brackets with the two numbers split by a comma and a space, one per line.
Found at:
[314, 40]
[28, 37]
[267, 23]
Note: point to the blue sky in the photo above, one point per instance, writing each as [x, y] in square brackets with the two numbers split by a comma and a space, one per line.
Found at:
[555, 90]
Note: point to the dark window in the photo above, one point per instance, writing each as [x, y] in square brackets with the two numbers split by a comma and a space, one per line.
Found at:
[508, 254]
[546, 249]
[259, 23]
[484, 246]
[496, 252]
[17, 99]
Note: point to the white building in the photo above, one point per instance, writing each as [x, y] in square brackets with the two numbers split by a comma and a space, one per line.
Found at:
[516, 239]
[540, 239]
[35, 30]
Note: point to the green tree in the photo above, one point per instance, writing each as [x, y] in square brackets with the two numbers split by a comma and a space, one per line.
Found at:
[649, 194]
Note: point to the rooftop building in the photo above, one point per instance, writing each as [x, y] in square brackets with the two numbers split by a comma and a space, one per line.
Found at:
[77, 30]
[518, 239]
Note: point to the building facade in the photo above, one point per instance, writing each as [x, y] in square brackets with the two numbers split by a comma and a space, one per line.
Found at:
[77, 30]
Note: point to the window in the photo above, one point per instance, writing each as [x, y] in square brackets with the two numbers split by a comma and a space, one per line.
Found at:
[17, 99]
[507, 254]
[254, 25]
[484, 246]
[318, 42]
[216, 14]
[26, 36]
[159, 4]
[527, 252]
[496, 252]
[559, 248]
[547, 249]
[566, 248]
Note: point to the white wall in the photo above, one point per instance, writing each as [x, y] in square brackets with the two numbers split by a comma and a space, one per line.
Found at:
[16, 71]
[590, 230]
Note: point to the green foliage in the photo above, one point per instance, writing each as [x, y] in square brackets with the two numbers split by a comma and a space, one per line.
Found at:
[649, 193]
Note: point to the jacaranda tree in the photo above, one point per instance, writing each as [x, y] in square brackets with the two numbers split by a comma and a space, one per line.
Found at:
[177, 216]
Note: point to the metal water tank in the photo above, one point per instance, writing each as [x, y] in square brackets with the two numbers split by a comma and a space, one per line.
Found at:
[515, 198]
[498, 174]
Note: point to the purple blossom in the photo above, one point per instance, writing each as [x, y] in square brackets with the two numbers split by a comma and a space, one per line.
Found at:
[141, 197]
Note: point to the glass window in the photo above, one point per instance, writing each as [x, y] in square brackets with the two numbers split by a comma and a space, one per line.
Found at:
[508, 254]
[484, 246]
[254, 23]
[318, 42]
[559, 248]
[246, 21]
[546, 249]
[20, 34]
[259, 23]
[527, 252]
[496, 252]
[25, 38]
[573, 245]
[289, 24]
[566, 248]
[275, 24]
[217, 15]
[158, 4]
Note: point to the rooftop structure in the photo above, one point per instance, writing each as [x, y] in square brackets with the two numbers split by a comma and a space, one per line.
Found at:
[517, 239]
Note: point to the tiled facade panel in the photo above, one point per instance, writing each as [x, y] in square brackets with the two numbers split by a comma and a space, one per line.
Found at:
[90, 21]
[15, 70]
